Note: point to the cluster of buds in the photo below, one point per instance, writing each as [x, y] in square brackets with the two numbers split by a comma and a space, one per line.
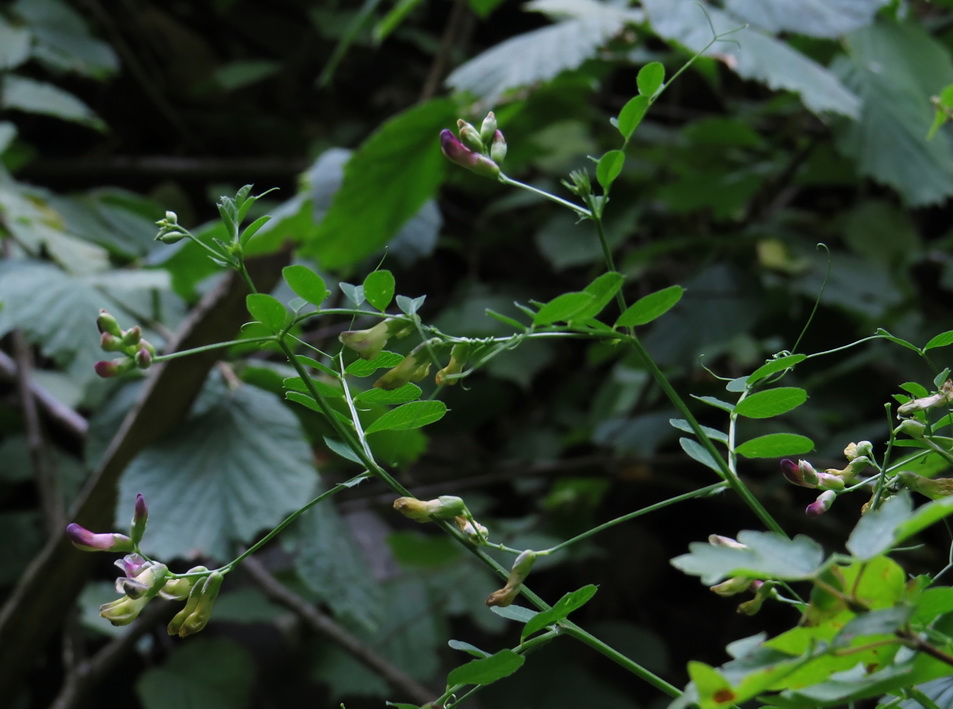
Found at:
[480, 151]
[443, 507]
[143, 579]
[739, 584]
[943, 397]
[458, 358]
[370, 342]
[832, 480]
[169, 230]
[514, 582]
[137, 352]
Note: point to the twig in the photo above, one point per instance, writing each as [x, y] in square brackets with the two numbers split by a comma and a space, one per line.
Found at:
[64, 416]
[456, 23]
[323, 625]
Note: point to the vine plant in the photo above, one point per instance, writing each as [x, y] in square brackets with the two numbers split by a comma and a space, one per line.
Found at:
[861, 626]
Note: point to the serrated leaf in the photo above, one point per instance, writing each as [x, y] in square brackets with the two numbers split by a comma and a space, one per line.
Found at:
[487, 670]
[815, 18]
[379, 289]
[563, 607]
[875, 533]
[402, 154]
[696, 451]
[543, 53]
[631, 115]
[401, 395]
[649, 307]
[415, 414]
[366, 367]
[650, 79]
[768, 555]
[752, 54]
[775, 445]
[331, 563]
[305, 283]
[609, 167]
[894, 68]
[944, 339]
[775, 365]
[267, 310]
[237, 467]
[771, 402]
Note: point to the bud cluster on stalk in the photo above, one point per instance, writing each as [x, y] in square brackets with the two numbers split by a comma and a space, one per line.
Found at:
[832, 481]
[137, 352]
[480, 151]
[143, 579]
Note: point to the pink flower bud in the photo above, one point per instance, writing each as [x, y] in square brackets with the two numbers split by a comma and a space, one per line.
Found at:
[801, 473]
[143, 358]
[140, 517]
[131, 565]
[114, 368]
[85, 540]
[109, 342]
[458, 153]
[821, 505]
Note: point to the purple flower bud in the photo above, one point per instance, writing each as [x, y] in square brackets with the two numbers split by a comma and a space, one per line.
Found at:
[143, 358]
[460, 154]
[821, 505]
[85, 540]
[131, 565]
[801, 473]
[140, 517]
[114, 368]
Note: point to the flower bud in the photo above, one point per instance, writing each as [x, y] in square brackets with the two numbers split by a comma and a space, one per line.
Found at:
[443, 507]
[198, 609]
[409, 370]
[367, 343]
[941, 398]
[85, 540]
[732, 586]
[179, 589]
[469, 135]
[821, 505]
[458, 153]
[139, 591]
[172, 236]
[913, 428]
[458, 357]
[498, 148]
[475, 531]
[860, 449]
[114, 368]
[132, 336]
[521, 568]
[109, 342]
[829, 481]
[801, 473]
[716, 540]
[143, 358]
[107, 323]
[761, 593]
[140, 517]
[934, 489]
[488, 128]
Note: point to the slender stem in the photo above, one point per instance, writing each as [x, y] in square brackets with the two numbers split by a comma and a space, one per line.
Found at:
[573, 630]
[215, 346]
[701, 492]
[288, 520]
[581, 211]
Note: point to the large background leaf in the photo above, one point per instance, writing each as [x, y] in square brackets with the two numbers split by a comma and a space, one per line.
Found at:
[236, 467]
[818, 18]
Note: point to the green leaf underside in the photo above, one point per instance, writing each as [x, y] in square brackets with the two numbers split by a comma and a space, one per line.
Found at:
[771, 402]
[776, 445]
[415, 414]
[564, 606]
[814, 18]
[696, 451]
[753, 54]
[712, 433]
[487, 670]
[768, 555]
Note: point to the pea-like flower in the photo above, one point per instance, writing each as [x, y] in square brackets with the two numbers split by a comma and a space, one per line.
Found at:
[458, 153]
[85, 540]
[521, 568]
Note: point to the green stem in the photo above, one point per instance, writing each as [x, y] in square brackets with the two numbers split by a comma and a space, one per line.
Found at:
[581, 211]
[573, 630]
[702, 492]
[215, 346]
